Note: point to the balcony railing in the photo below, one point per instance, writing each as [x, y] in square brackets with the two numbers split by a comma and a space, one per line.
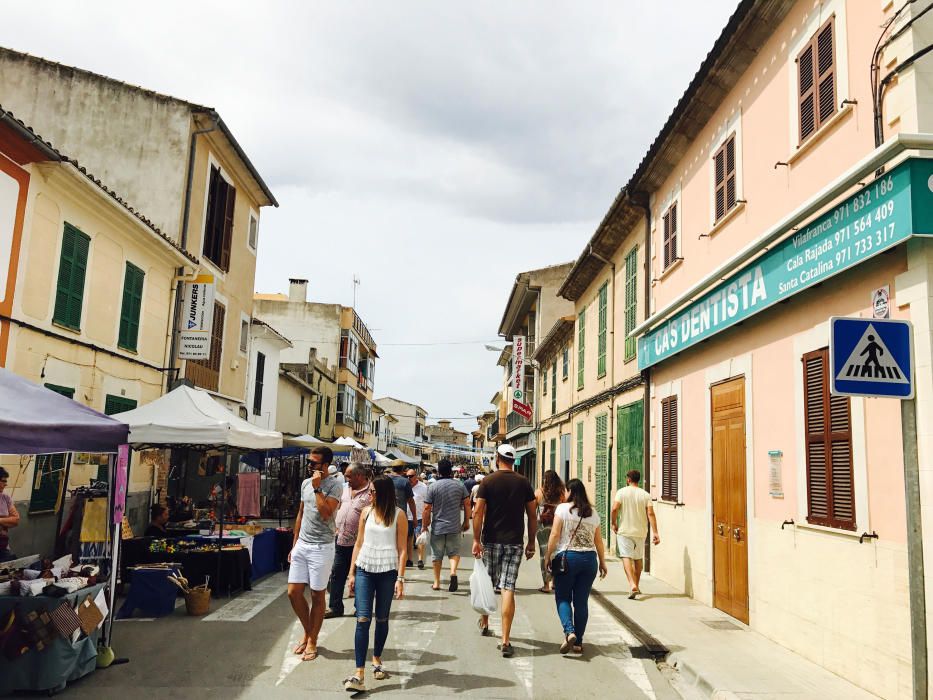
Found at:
[514, 420]
[493, 430]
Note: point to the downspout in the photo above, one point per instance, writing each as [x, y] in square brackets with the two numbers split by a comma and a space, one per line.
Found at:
[643, 201]
[610, 327]
[179, 288]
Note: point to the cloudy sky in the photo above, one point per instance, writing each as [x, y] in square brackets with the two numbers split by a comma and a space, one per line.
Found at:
[434, 149]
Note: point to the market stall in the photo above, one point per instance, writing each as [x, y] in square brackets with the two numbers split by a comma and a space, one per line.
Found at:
[190, 418]
[53, 615]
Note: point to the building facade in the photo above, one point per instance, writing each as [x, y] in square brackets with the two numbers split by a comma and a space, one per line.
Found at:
[444, 440]
[180, 164]
[265, 349]
[331, 333]
[784, 189]
[410, 427]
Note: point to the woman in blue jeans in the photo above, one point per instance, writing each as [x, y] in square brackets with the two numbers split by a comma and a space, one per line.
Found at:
[576, 535]
[377, 571]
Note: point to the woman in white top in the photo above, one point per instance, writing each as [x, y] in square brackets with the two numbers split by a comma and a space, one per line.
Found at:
[377, 570]
[576, 536]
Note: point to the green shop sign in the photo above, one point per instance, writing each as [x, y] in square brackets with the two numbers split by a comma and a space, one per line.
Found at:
[881, 215]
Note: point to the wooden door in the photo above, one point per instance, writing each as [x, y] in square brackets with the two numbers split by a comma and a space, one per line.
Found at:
[730, 521]
[630, 439]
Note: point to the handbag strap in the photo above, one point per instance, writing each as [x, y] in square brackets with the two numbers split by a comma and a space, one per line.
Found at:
[570, 541]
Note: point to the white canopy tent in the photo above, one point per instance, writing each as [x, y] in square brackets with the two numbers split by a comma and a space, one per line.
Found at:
[381, 460]
[187, 416]
[305, 440]
[349, 442]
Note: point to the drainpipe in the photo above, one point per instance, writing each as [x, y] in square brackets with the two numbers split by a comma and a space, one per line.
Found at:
[179, 288]
[643, 201]
[612, 398]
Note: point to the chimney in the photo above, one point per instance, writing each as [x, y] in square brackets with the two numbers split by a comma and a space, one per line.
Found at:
[297, 290]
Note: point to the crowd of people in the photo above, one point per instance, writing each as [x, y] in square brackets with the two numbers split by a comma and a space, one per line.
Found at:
[360, 531]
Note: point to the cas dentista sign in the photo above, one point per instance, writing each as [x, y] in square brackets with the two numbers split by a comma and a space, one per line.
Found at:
[879, 216]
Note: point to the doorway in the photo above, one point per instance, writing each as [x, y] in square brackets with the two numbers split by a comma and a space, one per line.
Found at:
[565, 457]
[730, 518]
[630, 438]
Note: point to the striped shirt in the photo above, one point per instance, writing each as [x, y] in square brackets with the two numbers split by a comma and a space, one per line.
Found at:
[445, 496]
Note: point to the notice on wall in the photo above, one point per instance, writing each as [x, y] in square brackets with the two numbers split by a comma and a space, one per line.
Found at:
[197, 319]
[775, 473]
[119, 486]
[881, 302]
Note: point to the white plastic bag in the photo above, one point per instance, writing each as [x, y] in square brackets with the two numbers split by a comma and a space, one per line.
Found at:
[422, 538]
[482, 595]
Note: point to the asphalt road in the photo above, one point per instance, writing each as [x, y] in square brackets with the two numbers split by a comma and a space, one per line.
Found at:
[243, 650]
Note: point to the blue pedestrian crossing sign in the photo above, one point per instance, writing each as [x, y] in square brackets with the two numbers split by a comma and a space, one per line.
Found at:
[871, 357]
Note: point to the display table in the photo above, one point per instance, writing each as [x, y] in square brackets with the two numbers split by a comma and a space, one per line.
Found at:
[264, 554]
[59, 664]
[151, 593]
[235, 566]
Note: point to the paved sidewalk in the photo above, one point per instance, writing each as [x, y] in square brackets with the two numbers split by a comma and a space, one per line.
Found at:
[724, 662]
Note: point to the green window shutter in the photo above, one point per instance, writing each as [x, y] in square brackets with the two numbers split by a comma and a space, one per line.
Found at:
[72, 268]
[553, 453]
[602, 467]
[631, 301]
[581, 345]
[63, 390]
[554, 387]
[132, 305]
[118, 404]
[48, 483]
[603, 330]
[580, 450]
[629, 440]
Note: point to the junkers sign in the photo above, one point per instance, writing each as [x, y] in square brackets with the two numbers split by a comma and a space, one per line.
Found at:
[198, 319]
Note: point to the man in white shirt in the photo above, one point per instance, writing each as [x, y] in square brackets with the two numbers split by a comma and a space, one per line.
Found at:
[420, 489]
[634, 504]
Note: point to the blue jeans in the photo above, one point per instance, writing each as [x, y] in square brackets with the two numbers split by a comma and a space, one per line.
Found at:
[338, 577]
[380, 587]
[572, 592]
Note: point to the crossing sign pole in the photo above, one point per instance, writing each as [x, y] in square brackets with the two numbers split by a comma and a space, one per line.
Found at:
[875, 357]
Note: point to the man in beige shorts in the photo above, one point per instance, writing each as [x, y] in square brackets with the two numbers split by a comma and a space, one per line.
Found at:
[634, 504]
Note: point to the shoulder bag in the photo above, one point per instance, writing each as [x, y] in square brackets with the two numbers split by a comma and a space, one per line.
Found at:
[559, 562]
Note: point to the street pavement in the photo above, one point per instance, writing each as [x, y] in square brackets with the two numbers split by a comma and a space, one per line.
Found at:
[243, 649]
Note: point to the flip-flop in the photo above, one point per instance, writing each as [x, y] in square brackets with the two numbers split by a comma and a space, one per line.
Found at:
[544, 590]
[309, 655]
[300, 649]
[435, 588]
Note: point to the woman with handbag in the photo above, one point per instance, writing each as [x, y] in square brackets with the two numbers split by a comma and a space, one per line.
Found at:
[578, 543]
[549, 495]
[377, 570]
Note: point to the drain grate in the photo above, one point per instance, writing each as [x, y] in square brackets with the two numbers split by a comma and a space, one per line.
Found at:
[721, 624]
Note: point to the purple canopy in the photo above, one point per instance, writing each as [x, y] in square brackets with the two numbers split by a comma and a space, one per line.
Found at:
[36, 420]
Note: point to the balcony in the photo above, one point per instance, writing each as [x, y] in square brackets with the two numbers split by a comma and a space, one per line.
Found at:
[362, 382]
[493, 430]
[513, 421]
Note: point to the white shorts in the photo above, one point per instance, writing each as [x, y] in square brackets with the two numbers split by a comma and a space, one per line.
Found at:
[630, 548]
[311, 564]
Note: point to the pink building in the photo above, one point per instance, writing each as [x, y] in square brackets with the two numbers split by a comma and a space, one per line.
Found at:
[791, 184]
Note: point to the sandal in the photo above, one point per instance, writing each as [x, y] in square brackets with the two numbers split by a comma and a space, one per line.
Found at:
[570, 641]
[578, 649]
[300, 648]
[309, 655]
[483, 629]
[354, 684]
[507, 650]
[379, 673]
[545, 589]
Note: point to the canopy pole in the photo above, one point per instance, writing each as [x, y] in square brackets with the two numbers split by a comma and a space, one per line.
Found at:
[116, 544]
[223, 507]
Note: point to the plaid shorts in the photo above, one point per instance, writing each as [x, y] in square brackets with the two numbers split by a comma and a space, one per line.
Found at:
[502, 562]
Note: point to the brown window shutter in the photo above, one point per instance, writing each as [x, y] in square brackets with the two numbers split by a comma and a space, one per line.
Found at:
[229, 205]
[669, 455]
[828, 427]
[670, 235]
[719, 167]
[806, 81]
[729, 149]
[826, 71]
[667, 237]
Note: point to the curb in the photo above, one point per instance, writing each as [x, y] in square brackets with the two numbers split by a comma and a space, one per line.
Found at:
[651, 644]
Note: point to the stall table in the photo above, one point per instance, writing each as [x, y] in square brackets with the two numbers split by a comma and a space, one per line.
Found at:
[235, 566]
[62, 662]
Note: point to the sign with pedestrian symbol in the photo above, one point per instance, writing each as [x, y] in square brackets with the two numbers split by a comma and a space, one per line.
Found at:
[871, 357]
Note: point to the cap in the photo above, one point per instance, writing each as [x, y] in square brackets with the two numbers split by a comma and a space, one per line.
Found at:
[507, 451]
[332, 469]
[479, 478]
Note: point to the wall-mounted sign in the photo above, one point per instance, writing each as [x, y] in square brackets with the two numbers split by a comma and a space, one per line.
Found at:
[881, 302]
[775, 473]
[518, 367]
[881, 215]
[197, 319]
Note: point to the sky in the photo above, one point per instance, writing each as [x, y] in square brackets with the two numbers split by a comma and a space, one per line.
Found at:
[433, 149]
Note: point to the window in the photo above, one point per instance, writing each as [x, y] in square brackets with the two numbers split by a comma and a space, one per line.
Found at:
[670, 235]
[257, 387]
[349, 352]
[544, 382]
[603, 330]
[118, 404]
[580, 450]
[816, 80]
[346, 405]
[669, 466]
[72, 268]
[301, 405]
[602, 467]
[581, 345]
[253, 230]
[565, 372]
[63, 390]
[631, 301]
[830, 483]
[244, 334]
[725, 185]
[218, 228]
[132, 305]
[206, 373]
[327, 413]
[553, 459]
[554, 387]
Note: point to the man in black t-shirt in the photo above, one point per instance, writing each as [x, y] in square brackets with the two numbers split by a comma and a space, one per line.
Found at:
[503, 500]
